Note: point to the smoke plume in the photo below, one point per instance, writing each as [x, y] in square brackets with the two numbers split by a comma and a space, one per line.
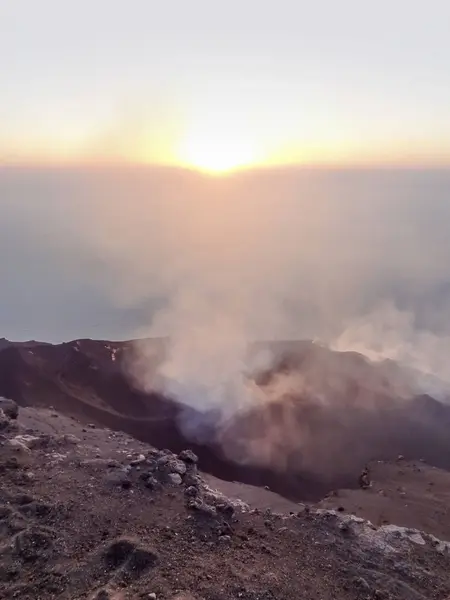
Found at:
[243, 265]
[355, 260]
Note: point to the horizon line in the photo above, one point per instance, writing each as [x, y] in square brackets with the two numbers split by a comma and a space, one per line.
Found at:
[276, 167]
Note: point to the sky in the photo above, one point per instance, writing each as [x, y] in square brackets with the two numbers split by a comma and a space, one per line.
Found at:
[221, 85]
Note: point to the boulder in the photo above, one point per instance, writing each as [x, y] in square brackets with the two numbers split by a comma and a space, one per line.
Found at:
[191, 491]
[174, 479]
[4, 420]
[152, 483]
[188, 456]
[200, 506]
[138, 460]
[9, 407]
[118, 477]
[192, 480]
[170, 464]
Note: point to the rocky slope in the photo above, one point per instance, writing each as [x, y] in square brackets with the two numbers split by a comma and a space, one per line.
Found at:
[88, 513]
[336, 412]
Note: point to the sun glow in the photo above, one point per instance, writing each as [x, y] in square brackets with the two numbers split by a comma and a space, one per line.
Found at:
[217, 150]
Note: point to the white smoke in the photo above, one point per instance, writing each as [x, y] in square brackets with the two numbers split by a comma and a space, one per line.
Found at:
[266, 256]
[216, 264]
[388, 333]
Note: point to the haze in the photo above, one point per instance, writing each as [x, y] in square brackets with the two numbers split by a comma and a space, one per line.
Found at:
[285, 253]
[228, 85]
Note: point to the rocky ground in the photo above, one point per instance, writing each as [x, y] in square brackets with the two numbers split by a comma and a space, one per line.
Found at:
[89, 513]
[334, 411]
[407, 493]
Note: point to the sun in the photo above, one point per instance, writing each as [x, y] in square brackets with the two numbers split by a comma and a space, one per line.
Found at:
[216, 151]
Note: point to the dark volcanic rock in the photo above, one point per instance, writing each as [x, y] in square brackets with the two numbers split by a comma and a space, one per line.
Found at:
[4, 420]
[174, 479]
[9, 407]
[170, 464]
[188, 456]
[152, 483]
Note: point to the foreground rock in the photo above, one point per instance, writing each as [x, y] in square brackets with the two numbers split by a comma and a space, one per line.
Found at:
[69, 530]
[9, 407]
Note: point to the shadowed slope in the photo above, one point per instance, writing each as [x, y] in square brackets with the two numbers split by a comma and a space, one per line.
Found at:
[299, 446]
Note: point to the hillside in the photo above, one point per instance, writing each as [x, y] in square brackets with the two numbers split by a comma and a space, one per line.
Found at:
[338, 412]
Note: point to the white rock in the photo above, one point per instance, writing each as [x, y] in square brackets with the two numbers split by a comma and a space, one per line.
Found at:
[174, 479]
[71, 439]
[19, 445]
[30, 441]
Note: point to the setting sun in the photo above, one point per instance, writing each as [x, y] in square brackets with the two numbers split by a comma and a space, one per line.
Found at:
[216, 149]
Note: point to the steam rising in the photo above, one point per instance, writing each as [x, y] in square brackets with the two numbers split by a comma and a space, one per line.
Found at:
[355, 260]
[388, 333]
[252, 262]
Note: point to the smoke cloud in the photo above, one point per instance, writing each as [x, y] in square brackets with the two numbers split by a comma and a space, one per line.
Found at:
[356, 260]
